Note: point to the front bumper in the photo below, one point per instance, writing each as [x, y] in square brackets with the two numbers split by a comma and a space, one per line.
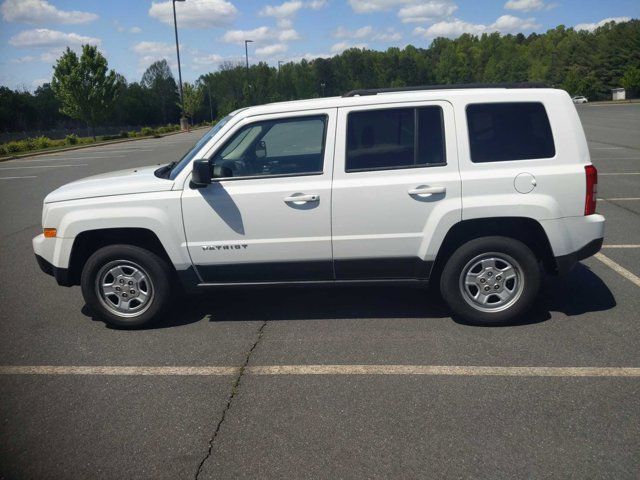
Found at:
[60, 274]
[44, 248]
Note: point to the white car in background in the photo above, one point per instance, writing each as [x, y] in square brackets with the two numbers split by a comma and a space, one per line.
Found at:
[579, 99]
[476, 190]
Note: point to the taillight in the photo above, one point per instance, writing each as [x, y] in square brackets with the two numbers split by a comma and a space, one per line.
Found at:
[592, 190]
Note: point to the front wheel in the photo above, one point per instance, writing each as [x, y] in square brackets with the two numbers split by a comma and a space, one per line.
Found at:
[491, 280]
[126, 286]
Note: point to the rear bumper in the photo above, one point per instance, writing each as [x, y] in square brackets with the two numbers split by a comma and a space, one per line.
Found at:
[565, 263]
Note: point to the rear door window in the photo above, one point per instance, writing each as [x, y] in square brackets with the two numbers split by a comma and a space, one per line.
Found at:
[509, 131]
[395, 138]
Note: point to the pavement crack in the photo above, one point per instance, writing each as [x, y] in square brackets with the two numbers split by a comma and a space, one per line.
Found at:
[234, 391]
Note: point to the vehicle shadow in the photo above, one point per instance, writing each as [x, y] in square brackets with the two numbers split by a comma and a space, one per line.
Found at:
[579, 292]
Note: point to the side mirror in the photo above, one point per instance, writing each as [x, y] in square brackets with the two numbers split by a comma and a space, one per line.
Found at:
[220, 171]
[261, 149]
[202, 173]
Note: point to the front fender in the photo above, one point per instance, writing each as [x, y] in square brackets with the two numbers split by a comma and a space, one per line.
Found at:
[158, 212]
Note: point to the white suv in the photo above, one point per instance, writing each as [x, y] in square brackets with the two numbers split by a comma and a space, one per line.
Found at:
[476, 189]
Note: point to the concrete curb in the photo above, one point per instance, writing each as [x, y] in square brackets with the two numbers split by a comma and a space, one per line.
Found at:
[97, 144]
[613, 102]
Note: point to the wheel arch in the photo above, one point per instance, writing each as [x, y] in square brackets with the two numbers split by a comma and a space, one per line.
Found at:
[527, 230]
[89, 241]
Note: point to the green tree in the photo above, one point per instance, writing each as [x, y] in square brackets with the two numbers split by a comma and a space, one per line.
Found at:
[193, 96]
[85, 86]
[164, 90]
[631, 81]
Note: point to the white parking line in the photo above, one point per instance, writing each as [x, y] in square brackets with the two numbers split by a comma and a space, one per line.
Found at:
[45, 166]
[430, 370]
[15, 178]
[621, 246]
[620, 199]
[114, 370]
[618, 269]
[619, 173]
[65, 158]
[446, 370]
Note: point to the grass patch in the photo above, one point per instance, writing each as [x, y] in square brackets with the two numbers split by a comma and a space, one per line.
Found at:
[45, 143]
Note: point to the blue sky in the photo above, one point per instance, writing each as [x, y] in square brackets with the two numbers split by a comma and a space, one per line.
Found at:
[134, 33]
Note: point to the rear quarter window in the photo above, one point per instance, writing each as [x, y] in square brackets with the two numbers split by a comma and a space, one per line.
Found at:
[501, 132]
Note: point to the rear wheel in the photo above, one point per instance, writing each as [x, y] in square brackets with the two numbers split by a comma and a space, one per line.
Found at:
[491, 280]
[126, 286]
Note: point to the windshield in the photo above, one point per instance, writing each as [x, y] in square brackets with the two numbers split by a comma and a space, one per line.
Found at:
[192, 153]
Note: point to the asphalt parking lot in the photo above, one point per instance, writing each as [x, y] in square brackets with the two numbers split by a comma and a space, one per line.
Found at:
[322, 383]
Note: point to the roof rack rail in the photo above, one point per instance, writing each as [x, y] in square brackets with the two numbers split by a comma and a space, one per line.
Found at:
[375, 91]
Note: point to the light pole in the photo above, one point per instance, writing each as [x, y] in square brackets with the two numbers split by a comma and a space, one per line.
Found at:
[175, 26]
[280, 62]
[322, 85]
[246, 51]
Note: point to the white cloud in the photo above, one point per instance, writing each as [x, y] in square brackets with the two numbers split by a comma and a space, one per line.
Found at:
[283, 10]
[288, 9]
[529, 5]
[50, 56]
[363, 32]
[195, 13]
[389, 36]
[260, 34]
[511, 24]
[368, 6]
[43, 37]
[288, 35]
[38, 82]
[25, 59]
[284, 23]
[239, 36]
[272, 49]
[342, 46]
[427, 11]
[456, 27]
[592, 26]
[317, 4]
[149, 52]
[135, 30]
[205, 60]
[41, 12]
[158, 48]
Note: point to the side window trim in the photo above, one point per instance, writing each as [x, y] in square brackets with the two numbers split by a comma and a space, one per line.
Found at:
[416, 140]
[325, 121]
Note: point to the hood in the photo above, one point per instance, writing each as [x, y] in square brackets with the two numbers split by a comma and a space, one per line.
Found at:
[133, 180]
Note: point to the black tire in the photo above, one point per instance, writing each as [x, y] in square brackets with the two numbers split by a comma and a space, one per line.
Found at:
[157, 287]
[506, 251]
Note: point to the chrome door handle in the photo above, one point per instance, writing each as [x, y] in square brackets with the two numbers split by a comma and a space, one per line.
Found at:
[426, 190]
[300, 199]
